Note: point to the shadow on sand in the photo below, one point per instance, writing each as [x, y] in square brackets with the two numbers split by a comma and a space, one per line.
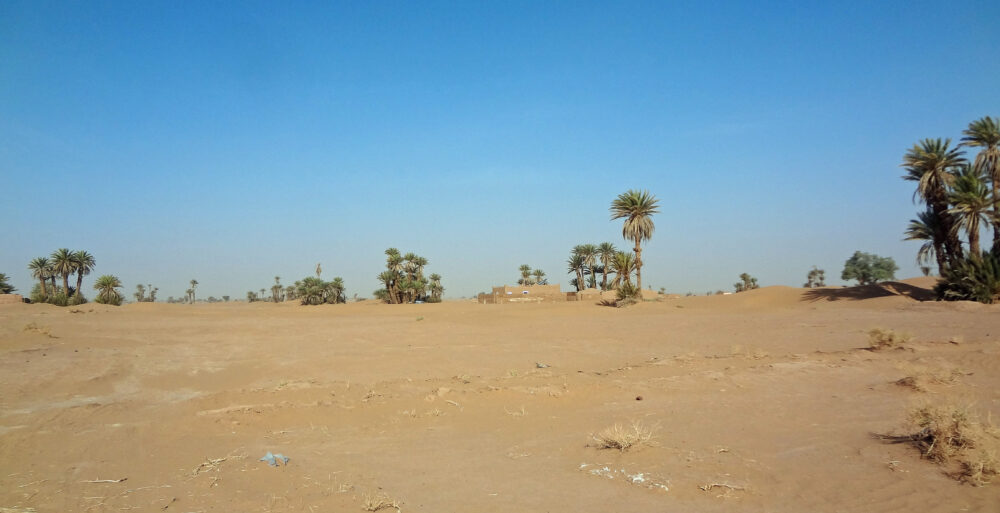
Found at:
[887, 289]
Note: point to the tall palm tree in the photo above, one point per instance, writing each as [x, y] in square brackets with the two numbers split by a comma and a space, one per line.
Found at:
[107, 290]
[39, 268]
[985, 133]
[605, 252]
[525, 274]
[637, 208]
[623, 265]
[925, 228]
[589, 254]
[62, 264]
[194, 285]
[539, 276]
[576, 265]
[971, 201]
[84, 263]
[436, 288]
[932, 164]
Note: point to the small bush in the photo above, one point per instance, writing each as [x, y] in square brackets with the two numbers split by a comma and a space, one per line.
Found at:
[622, 438]
[976, 278]
[113, 300]
[627, 294]
[952, 434]
[880, 339]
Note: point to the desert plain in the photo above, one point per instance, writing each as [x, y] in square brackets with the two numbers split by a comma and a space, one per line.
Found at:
[760, 401]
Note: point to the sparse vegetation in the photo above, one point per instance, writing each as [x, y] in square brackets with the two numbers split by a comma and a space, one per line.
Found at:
[879, 339]
[623, 438]
[379, 502]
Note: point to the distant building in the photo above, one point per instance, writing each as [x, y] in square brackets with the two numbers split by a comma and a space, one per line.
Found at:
[522, 294]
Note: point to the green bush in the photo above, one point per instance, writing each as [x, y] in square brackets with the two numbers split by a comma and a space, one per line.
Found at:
[868, 268]
[628, 294]
[112, 300]
[976, 278]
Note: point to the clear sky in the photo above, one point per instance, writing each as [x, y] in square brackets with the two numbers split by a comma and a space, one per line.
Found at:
[235, 141]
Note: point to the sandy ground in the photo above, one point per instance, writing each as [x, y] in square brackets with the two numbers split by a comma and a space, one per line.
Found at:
[443, 408]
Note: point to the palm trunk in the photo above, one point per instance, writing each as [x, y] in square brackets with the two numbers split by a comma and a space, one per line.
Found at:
[942, 259]
[996, 210]
[580, 283]
[638, 265]
[974, 237]
[66, 284]
[53, 279]
[604, 277]
[42, 282]
[79, 281]
[952, 246]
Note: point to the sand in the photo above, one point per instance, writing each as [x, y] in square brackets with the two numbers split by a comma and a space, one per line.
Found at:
[759, 401]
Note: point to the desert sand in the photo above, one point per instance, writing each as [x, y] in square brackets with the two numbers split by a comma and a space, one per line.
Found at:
[759, 401]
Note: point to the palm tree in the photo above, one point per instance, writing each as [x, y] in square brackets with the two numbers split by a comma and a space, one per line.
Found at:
[525, 275]
[926, 228]
[576, 264]
[932, 164]
[194, 284]
[589, 254]
[436, 288]
[389, 278]
[5, 288]
[39, 268]
[985, 133]
[637, 207]
[335, 291]
[107, 290]
[971, 201]
[84, 263]
[623, 265]
[276, 289]
[140, 293]
[605, 252]
[539, 276]
[62, 264]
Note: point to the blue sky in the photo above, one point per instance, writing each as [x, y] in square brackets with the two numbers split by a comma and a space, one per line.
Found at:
[235, 141]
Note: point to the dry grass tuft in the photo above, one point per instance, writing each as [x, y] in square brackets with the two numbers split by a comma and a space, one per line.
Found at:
[879, 339]
[622, 438]
[924, 379]
[379, 502]
[952, 435]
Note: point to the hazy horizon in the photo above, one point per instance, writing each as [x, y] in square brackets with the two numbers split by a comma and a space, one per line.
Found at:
[231, 144]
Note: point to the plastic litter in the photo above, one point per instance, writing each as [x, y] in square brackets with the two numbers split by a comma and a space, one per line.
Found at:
[273, 459]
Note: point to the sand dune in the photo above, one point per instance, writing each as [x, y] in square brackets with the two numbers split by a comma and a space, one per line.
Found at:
[760, 401]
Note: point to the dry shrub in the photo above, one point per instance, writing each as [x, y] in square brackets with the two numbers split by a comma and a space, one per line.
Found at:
[923, 379]
[879, 339]
[379, 502]
[622, 438]
[955, 435]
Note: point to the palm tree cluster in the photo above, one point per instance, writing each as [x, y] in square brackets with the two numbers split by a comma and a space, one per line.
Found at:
[960, 196]
[746, 283]
[314, 291]
[5, 288]
[140, 293]
[591, 260]
[531, 276]
[404, 280]
[61, 263]
[189, 293]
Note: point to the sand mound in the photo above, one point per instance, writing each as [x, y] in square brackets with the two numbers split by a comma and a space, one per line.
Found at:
[911, 289]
